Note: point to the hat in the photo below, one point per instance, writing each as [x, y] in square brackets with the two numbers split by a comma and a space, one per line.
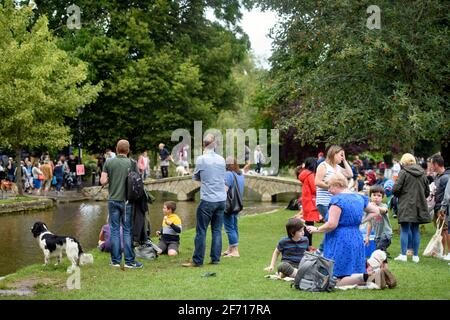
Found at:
[376, 259]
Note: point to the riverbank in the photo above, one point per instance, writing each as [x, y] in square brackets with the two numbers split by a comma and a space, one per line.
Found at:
[21, 204]
[236, 278]
[27, 203]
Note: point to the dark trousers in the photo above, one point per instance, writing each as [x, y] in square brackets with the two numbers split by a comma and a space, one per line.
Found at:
[165, 171]
[307, 234]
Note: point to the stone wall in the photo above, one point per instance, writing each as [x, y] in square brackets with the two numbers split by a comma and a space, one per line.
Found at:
[23, 206]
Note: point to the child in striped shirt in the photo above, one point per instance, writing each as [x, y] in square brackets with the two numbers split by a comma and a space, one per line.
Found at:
[170, 231]
[292, 247]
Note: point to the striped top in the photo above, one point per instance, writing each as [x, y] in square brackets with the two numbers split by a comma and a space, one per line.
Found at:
[323, 196]
[171, 233]
[292, 251]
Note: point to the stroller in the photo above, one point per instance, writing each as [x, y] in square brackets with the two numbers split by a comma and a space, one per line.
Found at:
[70, 180]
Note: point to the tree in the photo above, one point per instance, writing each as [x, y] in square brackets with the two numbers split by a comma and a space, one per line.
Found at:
[334, 80]
[40, 84]
[163, 65]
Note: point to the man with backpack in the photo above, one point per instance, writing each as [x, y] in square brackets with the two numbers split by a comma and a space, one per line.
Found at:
[115, 173]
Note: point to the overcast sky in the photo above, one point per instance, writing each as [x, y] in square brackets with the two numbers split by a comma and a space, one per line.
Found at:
[257, 25]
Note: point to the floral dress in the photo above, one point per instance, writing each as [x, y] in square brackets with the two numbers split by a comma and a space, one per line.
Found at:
[345, 244]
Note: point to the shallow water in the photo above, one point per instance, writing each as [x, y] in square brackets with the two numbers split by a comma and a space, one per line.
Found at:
[83, 220]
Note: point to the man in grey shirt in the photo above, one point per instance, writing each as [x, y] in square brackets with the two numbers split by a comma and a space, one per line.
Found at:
[210, 170]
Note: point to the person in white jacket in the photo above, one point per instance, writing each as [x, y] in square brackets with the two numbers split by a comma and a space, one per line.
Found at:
[259, 158]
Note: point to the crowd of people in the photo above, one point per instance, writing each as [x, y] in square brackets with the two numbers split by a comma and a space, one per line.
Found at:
[341, 195]
[331, 194]
[41, 174]
[418, 191]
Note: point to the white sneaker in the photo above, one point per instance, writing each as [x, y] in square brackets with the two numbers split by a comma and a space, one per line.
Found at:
[447, 257]
[415, 259]
[401, 257]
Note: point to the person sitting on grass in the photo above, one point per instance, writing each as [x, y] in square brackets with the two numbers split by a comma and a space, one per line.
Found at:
[104, 238]
[381, 224]
[292, 248]
[170, 231]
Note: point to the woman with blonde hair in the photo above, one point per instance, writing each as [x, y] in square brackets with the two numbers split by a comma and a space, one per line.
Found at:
[343, 241]
[411, 189]
[327, 168]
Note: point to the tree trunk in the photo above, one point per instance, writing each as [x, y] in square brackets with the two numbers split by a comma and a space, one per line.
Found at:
[19, 170]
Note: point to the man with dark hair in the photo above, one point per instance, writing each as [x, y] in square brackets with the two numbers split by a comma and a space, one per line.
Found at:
[115, 173]
[442, 177]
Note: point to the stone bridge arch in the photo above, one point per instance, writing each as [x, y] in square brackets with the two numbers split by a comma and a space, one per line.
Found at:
[185, 188]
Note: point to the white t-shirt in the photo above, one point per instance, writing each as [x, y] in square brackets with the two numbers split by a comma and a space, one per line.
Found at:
[396, 169]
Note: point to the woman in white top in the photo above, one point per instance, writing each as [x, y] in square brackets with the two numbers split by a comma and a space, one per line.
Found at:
[326, 169]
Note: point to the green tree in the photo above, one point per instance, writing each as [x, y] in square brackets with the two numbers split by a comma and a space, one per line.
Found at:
[162, 62]
[336, 81]
[40, 84]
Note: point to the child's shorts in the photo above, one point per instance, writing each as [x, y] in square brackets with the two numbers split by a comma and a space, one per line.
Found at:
[165, 246]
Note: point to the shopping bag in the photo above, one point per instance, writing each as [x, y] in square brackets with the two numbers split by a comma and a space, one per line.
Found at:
[434, 247]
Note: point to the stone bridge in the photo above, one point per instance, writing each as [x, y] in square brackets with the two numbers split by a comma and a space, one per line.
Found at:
[185, 188]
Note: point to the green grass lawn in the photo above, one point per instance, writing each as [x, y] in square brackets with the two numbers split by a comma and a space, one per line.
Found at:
[236, 278]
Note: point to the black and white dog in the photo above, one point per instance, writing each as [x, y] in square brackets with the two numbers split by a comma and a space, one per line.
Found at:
[53, 246]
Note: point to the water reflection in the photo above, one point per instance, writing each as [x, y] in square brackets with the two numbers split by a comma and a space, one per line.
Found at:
[18, 248]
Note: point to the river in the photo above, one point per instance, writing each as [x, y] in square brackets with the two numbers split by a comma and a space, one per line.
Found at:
[83, 220]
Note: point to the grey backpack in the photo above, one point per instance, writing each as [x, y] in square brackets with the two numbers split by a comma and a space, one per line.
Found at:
[146, 252]
[315, 274]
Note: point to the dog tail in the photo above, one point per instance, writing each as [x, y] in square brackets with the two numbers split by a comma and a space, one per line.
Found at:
[80, 251]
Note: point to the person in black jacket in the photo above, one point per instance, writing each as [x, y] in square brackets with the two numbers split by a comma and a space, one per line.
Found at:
[164, 156]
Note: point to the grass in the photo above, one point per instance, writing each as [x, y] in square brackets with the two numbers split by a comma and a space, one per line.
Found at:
[17, 199]
[236, 278]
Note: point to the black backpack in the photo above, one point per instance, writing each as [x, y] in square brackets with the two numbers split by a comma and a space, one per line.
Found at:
[135, 184]
[234, 200]
[315, 274]
[293, 204]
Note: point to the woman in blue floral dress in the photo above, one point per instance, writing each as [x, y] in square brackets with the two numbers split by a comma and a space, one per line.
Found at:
[343, 241]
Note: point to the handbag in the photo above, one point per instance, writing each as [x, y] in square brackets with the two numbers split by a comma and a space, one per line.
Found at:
[54, 180]
[234, 200]
[434, 247]
[40, 177]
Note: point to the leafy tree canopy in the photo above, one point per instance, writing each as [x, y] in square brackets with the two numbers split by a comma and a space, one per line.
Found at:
[336, 81]
[162, 62]
[40, 84]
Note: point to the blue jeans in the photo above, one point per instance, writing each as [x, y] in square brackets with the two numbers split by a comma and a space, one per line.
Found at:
[208, 212]
[118, 214]
[230, 222]
[59, 182]
[407, 228]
